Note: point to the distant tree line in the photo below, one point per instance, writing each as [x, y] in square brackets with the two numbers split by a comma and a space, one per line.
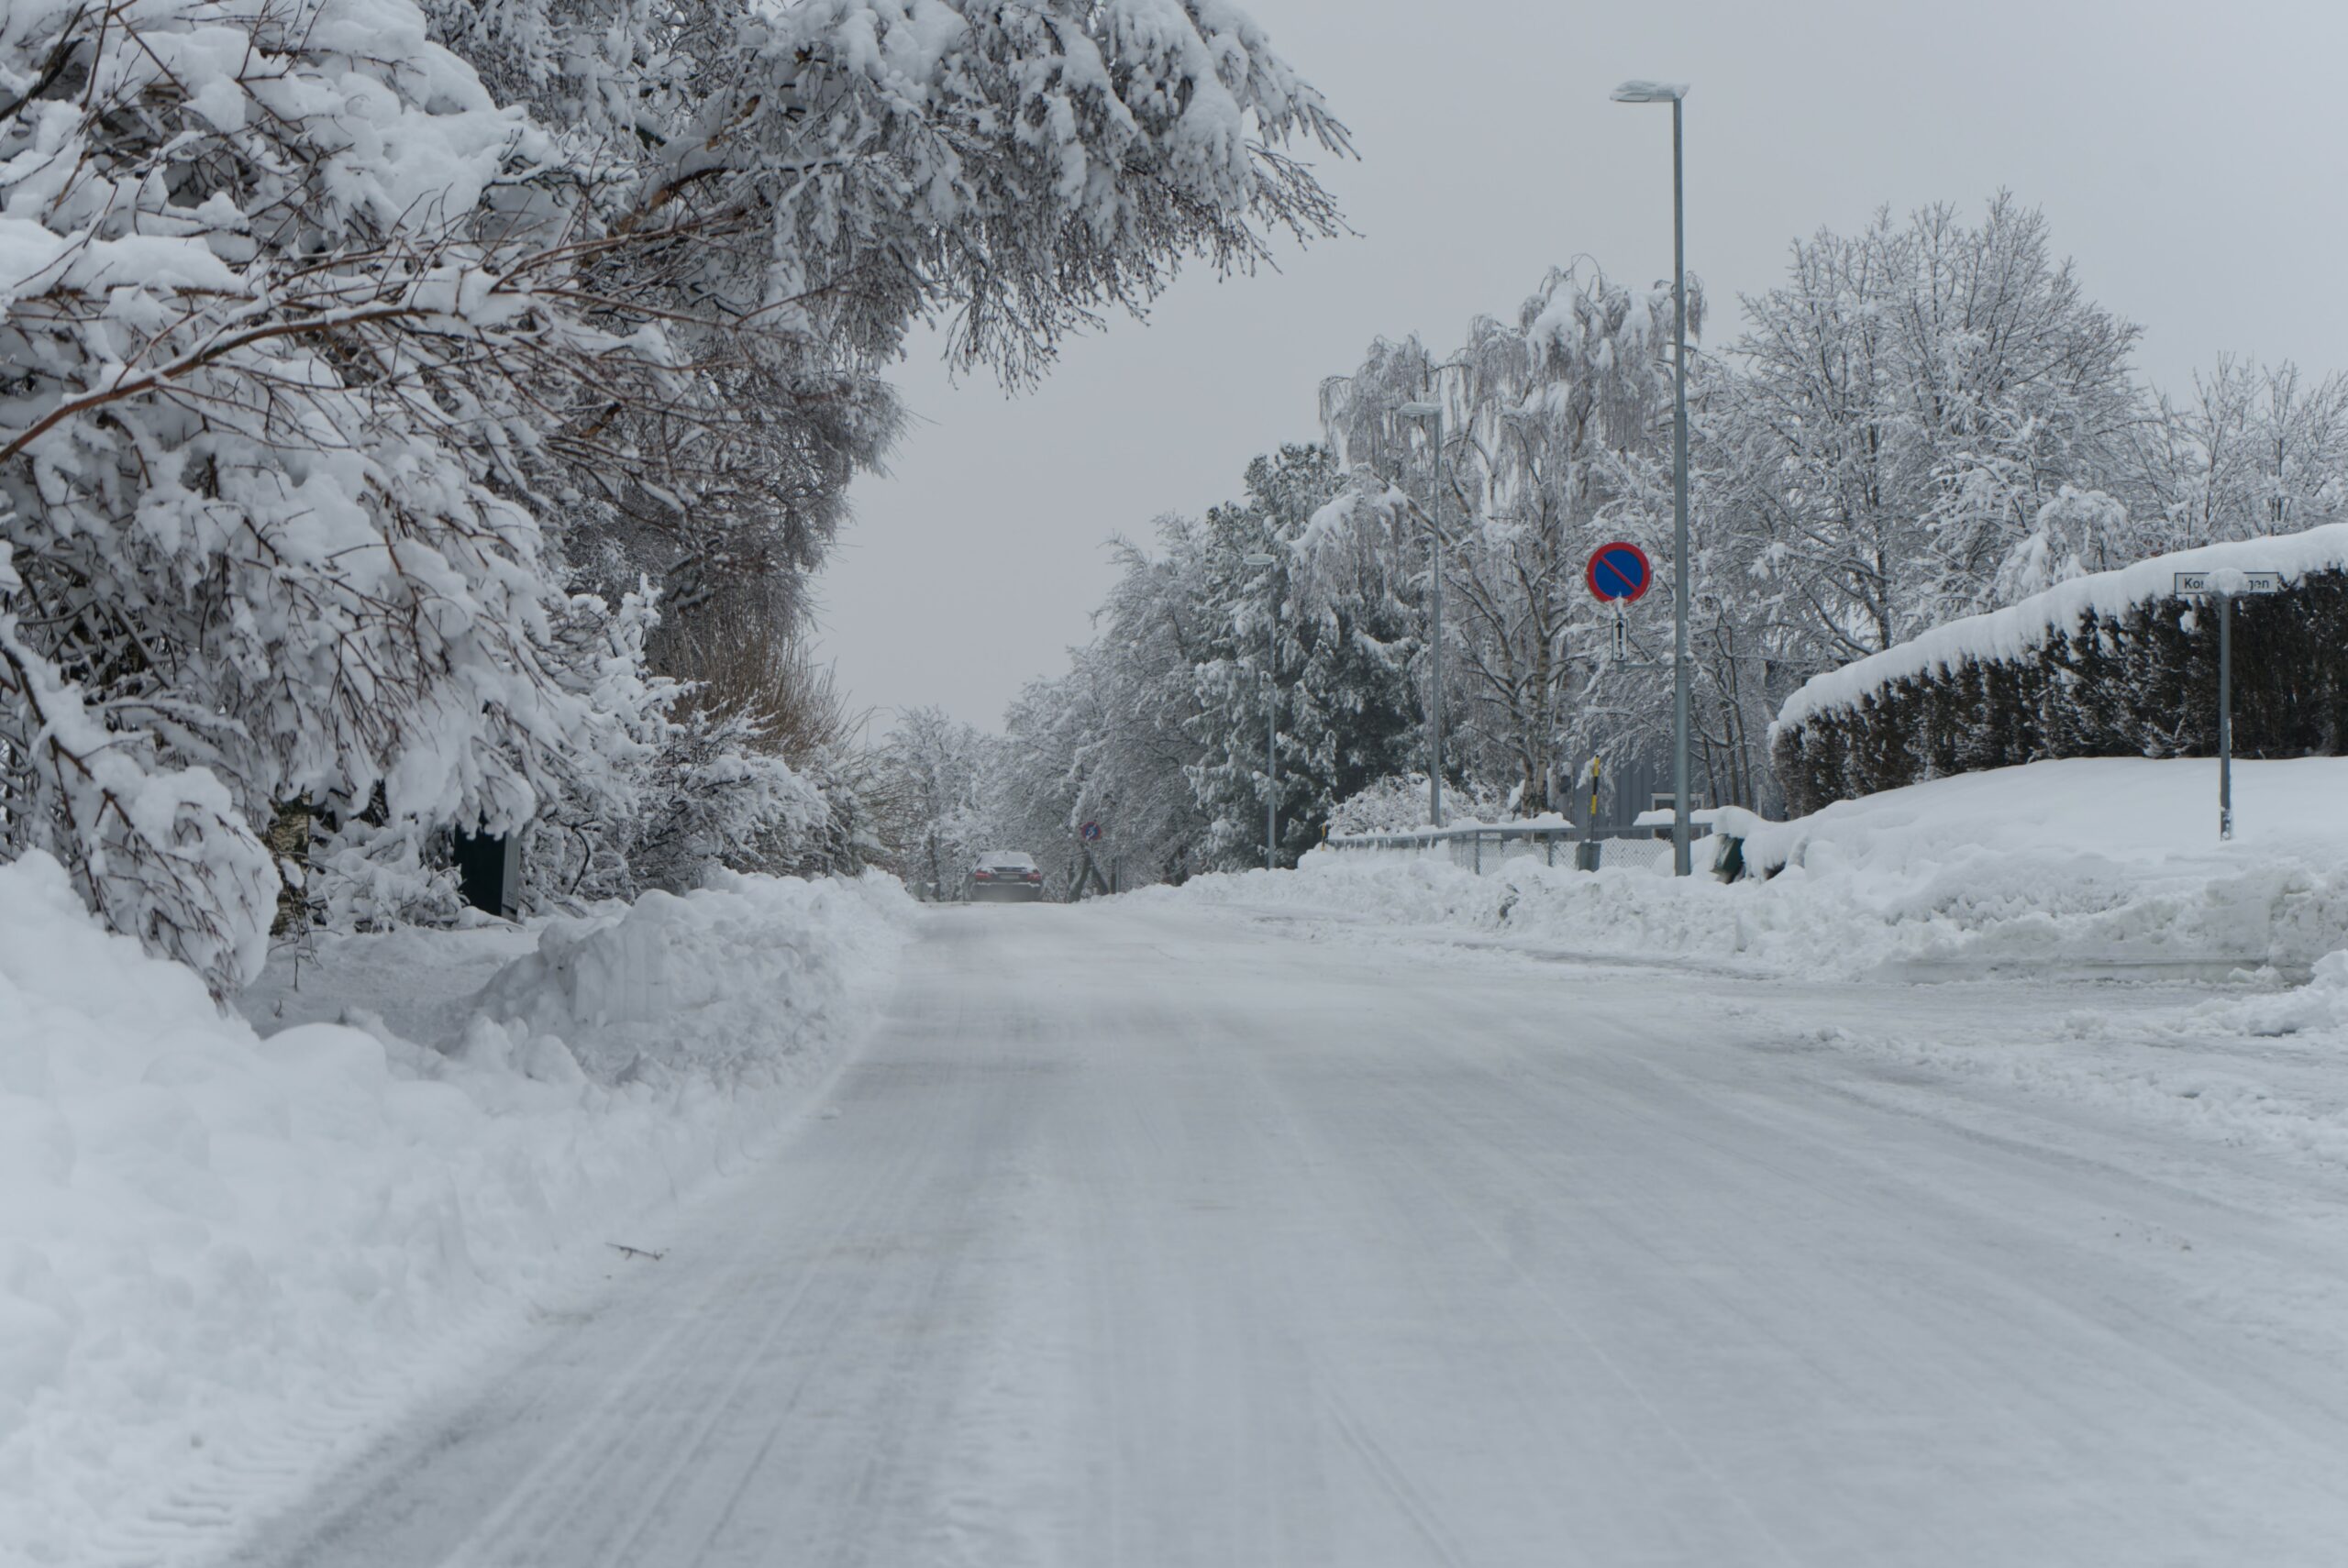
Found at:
[1921, 421]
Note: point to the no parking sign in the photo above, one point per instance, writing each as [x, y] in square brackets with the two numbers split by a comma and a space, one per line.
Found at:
[1619, 572]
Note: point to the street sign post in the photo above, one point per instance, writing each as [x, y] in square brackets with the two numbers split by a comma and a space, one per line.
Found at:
[2223, 585]
[1619, 574]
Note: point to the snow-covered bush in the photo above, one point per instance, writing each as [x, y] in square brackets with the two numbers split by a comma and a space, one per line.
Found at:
[2108, 664]
[1399, 804]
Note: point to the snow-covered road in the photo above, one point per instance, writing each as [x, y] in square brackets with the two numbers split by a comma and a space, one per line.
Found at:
[1172, 1238]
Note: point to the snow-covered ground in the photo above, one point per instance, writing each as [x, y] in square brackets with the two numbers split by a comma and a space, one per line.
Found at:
[1155, 1233]
[2217, 994]
[227, 1250]
[1373, 1214]
[2100, 868]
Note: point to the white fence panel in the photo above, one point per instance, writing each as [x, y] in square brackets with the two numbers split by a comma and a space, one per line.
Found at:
[1488, 850]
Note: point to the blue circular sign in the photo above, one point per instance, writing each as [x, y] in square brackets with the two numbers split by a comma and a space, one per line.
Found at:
[1619, 572]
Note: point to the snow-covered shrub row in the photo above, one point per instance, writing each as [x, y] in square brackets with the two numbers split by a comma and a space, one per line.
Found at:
[2108, 665]
[217, 1250]
[2106, 866]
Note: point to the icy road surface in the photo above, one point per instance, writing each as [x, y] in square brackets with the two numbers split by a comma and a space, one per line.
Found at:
[1170, 1239]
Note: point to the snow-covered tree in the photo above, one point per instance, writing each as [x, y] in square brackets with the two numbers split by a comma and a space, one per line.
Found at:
[1551, 421]
[1926, 419]
[935, 769]
[833, 171]
[275, 339]
[2255, 449]
[1135, 707]
[334, 368]
[1929, 386]
[1339, 645]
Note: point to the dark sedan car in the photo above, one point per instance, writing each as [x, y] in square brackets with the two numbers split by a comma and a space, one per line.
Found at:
[1005, 877]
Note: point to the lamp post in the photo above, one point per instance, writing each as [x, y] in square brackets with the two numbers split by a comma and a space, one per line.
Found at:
[1433, 411]
[1271, 721]
[1674, 94]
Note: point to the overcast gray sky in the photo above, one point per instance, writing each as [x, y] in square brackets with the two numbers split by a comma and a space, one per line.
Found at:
[2189, 156]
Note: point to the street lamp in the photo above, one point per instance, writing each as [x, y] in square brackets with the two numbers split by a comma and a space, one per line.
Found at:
[1433, 411]
[1272, 724]
[1674, 94]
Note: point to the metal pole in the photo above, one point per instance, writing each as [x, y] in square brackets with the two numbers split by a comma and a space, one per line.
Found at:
[1434, 643]
[1680, 860]
[2225, 716]
[1271, 740]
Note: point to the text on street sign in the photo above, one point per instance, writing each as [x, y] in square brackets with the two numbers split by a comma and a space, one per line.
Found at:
[2198, 583]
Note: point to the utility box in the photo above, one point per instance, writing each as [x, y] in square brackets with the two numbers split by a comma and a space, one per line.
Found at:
[489, 871]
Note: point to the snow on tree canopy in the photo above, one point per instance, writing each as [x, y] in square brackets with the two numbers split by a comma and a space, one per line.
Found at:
[258, 447]
[331, 326]
[857, 164]
[2019, 630]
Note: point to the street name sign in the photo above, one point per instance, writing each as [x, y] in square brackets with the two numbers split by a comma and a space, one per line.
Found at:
[2195, 584]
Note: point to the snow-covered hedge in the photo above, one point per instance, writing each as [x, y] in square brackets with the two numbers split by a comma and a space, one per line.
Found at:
[221, 1252]
[2111, 664]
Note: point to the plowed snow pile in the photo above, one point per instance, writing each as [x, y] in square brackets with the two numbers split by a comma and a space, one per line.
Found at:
[2084, 865]
[219, 1252]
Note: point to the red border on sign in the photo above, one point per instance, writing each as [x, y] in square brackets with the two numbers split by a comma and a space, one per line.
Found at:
[1646, 579]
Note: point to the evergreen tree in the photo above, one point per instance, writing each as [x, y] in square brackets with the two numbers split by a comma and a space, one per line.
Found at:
[1339, 663]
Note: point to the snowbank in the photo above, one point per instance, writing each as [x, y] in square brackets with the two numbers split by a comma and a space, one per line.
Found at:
[219, 1252]
[2104, 865]
[2022, 628]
